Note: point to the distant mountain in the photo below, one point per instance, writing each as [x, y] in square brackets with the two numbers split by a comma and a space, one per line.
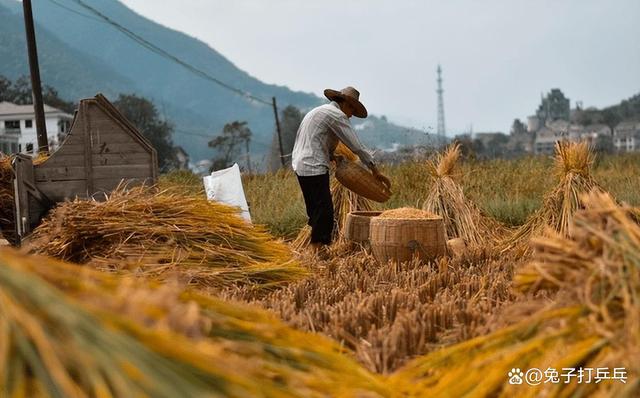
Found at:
[81, 55]
[72, 72]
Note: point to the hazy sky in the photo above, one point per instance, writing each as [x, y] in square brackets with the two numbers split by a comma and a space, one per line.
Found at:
[497, 56]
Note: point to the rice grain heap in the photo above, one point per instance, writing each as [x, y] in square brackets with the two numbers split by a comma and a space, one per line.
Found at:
[344, 202]
[78, 332]
[462, 218]
[159, 234]
[573, 163]
[407, 212]
[593, 323]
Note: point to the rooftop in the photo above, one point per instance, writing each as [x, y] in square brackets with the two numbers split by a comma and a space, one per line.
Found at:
[11, 109]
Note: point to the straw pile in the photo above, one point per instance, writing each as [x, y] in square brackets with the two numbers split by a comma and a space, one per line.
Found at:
[573, 163]
[7, 222]
[70, 332]
[160, 234]
[344, 202]
[595, 322]
[462, 218]
[407, 212]
[390, 313]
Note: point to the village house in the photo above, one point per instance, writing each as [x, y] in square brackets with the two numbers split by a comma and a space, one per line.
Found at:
[626, 136]
[18, 127]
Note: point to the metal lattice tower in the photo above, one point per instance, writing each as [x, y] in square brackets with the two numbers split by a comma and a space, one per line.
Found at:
[441, 128]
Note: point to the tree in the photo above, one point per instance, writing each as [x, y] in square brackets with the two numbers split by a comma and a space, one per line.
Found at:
[518, 128]
[290, 119]
[229, 142]
[143, 114]
[19, 92]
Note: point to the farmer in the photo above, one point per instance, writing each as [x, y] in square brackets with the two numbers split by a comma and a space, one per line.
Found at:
[316, 140]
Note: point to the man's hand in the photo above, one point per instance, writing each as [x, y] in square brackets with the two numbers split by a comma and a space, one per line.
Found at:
[380, 177]
[384, 180]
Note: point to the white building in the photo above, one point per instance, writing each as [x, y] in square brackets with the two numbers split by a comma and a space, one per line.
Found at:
[560, 130]
[626, 136]
[18, 127]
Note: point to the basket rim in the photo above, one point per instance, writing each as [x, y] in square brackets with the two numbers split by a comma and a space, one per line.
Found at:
[435, 218]
[364, 212]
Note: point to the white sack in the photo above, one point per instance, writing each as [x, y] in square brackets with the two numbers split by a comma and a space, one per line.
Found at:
[225, 186]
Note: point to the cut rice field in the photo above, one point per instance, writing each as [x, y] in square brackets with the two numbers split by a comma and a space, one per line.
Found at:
[541, 271]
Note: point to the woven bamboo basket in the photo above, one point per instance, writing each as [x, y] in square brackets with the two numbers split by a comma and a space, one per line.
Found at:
[360, 180]
[357, 225]
[400, 239]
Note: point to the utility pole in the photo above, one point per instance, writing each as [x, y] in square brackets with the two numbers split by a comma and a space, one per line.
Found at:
[41, 126]
[275, 111]
[441, 129]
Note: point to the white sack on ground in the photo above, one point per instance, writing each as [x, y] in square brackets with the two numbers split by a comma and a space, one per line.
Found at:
[225, 186]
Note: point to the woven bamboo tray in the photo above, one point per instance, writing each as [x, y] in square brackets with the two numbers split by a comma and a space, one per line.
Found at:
[359, 180]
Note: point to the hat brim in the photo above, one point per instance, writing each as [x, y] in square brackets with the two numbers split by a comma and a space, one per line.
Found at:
[358, 109]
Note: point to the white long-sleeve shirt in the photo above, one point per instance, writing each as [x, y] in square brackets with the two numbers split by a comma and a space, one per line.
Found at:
[318, 136]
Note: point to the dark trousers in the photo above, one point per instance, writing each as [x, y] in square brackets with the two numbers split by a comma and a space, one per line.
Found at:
[317, 199]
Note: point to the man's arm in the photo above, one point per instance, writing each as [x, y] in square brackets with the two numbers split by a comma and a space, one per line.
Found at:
[345, 133]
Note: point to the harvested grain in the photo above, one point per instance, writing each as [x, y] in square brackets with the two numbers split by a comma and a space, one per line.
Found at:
[72, 332]
[594, 321]
[162, 234]
[446, 198]
[392, 312]
[408, 212]
[573, 162]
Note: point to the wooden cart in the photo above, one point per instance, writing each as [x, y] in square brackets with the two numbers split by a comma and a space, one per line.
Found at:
[101, 150]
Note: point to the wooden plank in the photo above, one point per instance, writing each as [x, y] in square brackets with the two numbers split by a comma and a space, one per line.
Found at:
[57, 160]
[69, 149]
[118, 148]
[61, 173]
[60, 191]
[123, 171]
[113, 159]
[111, 135]
[109, 184]
[88, 167]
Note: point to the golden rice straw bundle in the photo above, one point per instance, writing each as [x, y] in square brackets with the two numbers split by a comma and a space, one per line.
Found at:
[7, 222]
[596, 272]
[462, 218]
[158, 234]
[573, 163]
[247, 350]
[344, 202]
[52, 346]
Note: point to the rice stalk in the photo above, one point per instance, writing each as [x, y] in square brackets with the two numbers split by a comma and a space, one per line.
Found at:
[573, 163]
[389, 313]
[159, 234]
[248, 350]
[7, 217]
[593, 323]
[462, 218]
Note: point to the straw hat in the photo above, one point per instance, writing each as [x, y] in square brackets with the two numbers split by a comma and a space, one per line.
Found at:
[351, 95]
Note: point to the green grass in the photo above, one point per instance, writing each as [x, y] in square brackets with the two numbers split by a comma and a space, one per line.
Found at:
[508, 190]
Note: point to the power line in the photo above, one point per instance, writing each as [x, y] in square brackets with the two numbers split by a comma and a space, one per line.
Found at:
[76, 11]
[157, 50]
[187, 132]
